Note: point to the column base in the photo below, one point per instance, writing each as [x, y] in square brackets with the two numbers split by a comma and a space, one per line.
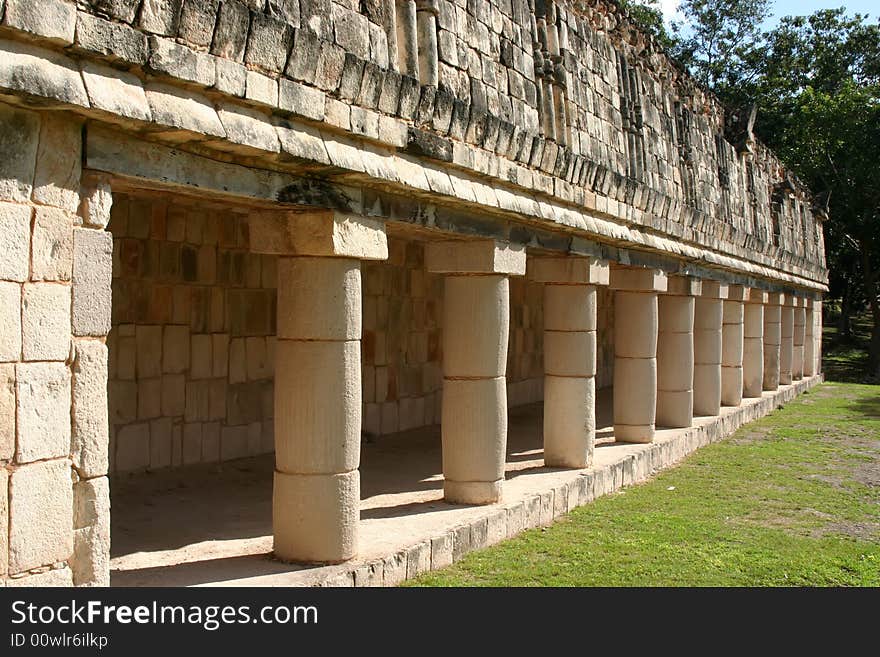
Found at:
[731, 386]
[675, 409]
[315, 517]
[569, 421]
[634, 433]
[472, 492]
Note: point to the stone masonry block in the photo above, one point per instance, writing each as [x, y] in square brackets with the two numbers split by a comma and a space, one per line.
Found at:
[7, 411]
[91, 522]
[475, 257]
[45, 326]
[92, 277]
[90, 431]
[59, 163]
[40, 515]
[27, 69]
[43, 402]
[569, 270]
[318, 234]
[51, 19]
[118, 92]
[110, 38]
[184, 110]
[4, 522]
[15, 222]
[10, 322]
[19, 139]
[52, 245]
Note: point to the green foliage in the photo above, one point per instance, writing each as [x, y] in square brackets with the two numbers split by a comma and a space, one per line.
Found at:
[786, 501]
[648, 15]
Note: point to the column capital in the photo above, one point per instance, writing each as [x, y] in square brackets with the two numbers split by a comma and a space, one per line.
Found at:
[568, 270]
[790, 301]
[714, 290]
[637, 279]
[317, 233]
[683, 286]
[475, 257]
[737, 292]
[756, 295]
[775, 299]
[799, 302]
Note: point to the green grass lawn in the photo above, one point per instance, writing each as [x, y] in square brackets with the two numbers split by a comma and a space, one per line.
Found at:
[792, 499]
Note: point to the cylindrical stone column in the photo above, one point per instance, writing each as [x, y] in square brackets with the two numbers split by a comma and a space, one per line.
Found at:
[798, 338]
[708, 314]
[675, 352]
[476, 320]
[753, 343]
[809, 339]
[786, 340]
[732, 318]
[316, 499]
[772, 339]
[407, 38]
[569, 357]
[817, 334]
[635, 352]
[426, 20]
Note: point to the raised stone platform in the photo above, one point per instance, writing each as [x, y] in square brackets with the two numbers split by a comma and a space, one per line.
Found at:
[197, 526]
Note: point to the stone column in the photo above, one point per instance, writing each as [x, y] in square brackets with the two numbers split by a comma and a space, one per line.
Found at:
[732, 341]
[635, 351]
[753, 343]
[772, 339]
[817, 333]
[809, 339]
[476, 318]
[316, 496]
[407, 38]
[426, 20]
[675, 352]
[569, 356]
[708, 314]
[798, 337]
[786, 340]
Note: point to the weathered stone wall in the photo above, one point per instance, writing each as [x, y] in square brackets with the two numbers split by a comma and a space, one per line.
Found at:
[55, 301]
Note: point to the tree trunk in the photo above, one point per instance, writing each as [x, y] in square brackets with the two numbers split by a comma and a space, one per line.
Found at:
[874, 304]
[843, 323]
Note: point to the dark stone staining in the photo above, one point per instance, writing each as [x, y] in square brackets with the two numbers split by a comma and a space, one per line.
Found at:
[189, 267]
[314, 192]
[427, 144]
[352, 74]
[409, 97]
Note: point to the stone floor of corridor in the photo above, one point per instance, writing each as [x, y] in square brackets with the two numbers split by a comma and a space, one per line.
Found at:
[213, 525]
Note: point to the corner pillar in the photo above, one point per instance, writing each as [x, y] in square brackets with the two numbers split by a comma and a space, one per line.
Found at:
[569, 356]
[708, 314]
[635, 351]
[772, 339]
[753, 343]
[476, 322]
[675, 352]
[316, 492]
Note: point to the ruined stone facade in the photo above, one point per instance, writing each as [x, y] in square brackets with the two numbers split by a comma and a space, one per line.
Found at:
[232, 227]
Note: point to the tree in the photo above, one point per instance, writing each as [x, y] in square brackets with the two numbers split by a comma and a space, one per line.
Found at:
[649, 16]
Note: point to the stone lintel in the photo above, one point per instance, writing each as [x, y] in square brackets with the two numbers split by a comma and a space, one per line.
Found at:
[737, 292]
[683, 286]
[318, 233]
[568, 270]
[775, 298]
[714, 290]
[756, 295]
[637, 279]
[475, 257]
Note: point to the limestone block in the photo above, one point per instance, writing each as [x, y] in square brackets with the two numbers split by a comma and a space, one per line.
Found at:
[733, 312]
[160, 16]
[753, 321]
[315, 517]
[418, 559]
[714, 290]
[54, 577]
[569, 421]
[182, 109]
[45, 329]
[7, 411]
[737, 293]
[319, 298]
[570, 307]
[635, 391]
[675, 409]
[31, 70]
[52, 19]
[474, 434]
[52, 245]
[10, 322]
[318, 233]
[110, 38]
[708, 313]
[92, 277]
[475, 257]
[637, 279]
[4, 522]
[441, 551]
[684, 286]
[675, 314]
[15, 226]
[19, 139]
[261, 89]
[40, 515]
[635, 325]
[771, 365]
[753, 366]
[59, 163]
[317, 406]
[732, 345]
[118, 92]
[757, 296]
[247, 127]
[570, 270]
[133, 447]
[731, 385]
[476, 318]
[301, 100]
[175, 350]
[707, 388]
[707, 347]
[675, 361]
[570, 353]
[91, 521]
[90, 434]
